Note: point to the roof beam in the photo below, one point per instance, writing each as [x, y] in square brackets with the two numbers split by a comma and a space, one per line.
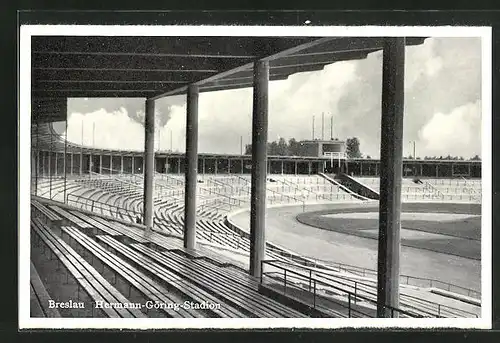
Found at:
[214, 88]
[71, 93]
[248, 66]
[142, 54]
[136, 62]
[97, 90]
[243, 80]
[326, 58]
[118, 75]
[111, 81]
[354, 43]
[167, 45]
[213, 71]
[229, 84]
[103, 86]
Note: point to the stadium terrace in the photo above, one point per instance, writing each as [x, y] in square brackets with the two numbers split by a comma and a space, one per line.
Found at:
[231, 235]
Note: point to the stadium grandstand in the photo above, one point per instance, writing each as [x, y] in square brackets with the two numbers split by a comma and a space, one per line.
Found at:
[145, 229]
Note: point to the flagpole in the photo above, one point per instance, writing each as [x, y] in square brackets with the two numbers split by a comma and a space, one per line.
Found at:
[81, 153]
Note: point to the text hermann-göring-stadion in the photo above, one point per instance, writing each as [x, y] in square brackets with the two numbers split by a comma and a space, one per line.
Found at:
[206, 305]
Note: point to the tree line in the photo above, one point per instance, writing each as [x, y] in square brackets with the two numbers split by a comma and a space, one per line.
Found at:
[292, 147]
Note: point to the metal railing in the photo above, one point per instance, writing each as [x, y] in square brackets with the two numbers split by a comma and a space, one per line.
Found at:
[367, 272]
[169, 179]
[335, 155]
[321, 295]
[93, 205]
[220, 204]
[232, 240]
[332, 288]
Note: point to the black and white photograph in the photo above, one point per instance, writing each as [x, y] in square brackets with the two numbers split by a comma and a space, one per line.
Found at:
[254, 177]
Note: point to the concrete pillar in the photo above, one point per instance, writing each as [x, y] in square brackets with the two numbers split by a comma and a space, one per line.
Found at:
[38, 164]
[309, 167]
[179, 165]
[49, 165]
[46, 161]
[121, 164]
[133, 164]
[259, 167]
[64, 165]
[421, 170]
[361, 168]
[242, 166]
[43, 164]
[468, 169]
[111, 164]
[282, 163]
[229, 166]
[216, 167]
[391, 169]
[100, 163]
[296, 167]
[191, 167]
[149, 155]
[437, 170]
[55, 164]
[203, 166]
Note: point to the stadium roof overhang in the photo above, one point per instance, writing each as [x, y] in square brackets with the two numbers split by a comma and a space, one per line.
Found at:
[154, 67]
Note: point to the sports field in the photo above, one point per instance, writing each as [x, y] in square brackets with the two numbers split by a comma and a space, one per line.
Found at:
[438, 246]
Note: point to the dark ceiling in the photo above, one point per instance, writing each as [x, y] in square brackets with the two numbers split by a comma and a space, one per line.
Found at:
[151, 67]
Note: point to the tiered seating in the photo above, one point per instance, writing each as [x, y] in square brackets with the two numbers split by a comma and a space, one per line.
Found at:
[135, 278]
[241, 293]
[120, 195]
[54, 188]
[97, 288]
[448, 190]
[457, 189]
[310, 188]
[39, 297]
[154, 266]
[150, 263]
[357, 294]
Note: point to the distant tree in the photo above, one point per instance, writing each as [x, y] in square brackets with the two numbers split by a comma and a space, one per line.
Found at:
[368, 157]
[272, 148]
[293, 147]
[282, 147]
[476, 158]
[352, 148]
[248, 149]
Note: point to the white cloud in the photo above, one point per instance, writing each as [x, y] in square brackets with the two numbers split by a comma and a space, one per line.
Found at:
[433, 65]
[457, 133]
[113, 130]
[176, 127]
[441, 75]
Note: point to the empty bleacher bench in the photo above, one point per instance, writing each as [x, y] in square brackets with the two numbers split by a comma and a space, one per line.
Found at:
[146, 286]
[49, 216]
[87, 278]
[39, 297]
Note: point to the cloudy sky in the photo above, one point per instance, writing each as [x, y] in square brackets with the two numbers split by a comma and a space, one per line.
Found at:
[442, 107]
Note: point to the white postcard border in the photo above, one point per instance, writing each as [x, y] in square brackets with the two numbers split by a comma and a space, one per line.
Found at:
[24, 139]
